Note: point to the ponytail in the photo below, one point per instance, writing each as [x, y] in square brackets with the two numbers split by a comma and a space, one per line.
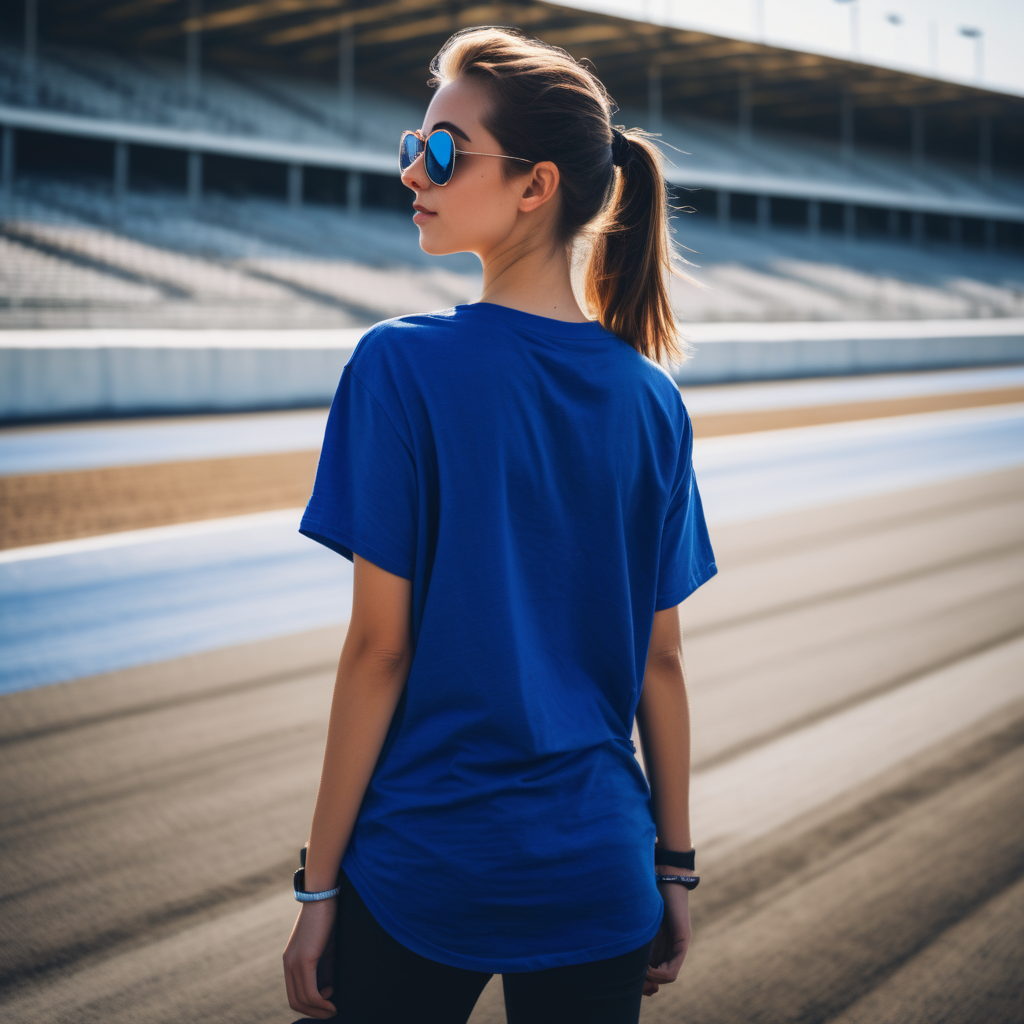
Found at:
[632, 254]
[548, 106]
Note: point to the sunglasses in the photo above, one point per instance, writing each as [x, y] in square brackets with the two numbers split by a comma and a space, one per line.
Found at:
[438, 150]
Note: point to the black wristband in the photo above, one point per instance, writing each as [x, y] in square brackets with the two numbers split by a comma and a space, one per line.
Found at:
[675, 859]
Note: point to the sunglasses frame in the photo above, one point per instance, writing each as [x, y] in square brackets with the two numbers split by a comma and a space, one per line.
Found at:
[417, 134]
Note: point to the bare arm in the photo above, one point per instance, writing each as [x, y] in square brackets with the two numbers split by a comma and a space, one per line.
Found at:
[372, 672]
[663, 718]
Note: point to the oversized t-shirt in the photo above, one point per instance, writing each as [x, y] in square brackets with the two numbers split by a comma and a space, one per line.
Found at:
[532, 478]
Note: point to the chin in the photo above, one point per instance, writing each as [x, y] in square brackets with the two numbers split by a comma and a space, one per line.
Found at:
[434, 247]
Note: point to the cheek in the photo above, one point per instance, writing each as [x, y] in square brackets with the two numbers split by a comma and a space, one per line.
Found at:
[480, 204]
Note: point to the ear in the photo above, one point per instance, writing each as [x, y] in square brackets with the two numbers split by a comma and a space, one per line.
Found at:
[542, 185]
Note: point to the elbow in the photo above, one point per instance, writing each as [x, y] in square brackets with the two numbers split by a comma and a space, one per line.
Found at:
[376, 657]
[664, 680]
[389, 660]
[667, 662]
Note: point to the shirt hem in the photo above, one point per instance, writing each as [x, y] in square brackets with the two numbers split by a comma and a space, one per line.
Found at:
[493, 965]
[347, 545]
[680, 594]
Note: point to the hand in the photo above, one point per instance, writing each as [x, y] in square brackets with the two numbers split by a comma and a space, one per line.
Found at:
[309, 939]
[672, 940]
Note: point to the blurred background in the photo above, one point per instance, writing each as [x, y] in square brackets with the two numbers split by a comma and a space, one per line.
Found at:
[200, 214]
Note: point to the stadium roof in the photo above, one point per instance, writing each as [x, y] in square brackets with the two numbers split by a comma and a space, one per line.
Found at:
[857, 140]
[395, 39]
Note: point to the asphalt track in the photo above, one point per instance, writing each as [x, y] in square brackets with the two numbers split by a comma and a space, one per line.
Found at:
[79, 607]
[858, 697]
[59, 483]
[857, 677]
[58, 448]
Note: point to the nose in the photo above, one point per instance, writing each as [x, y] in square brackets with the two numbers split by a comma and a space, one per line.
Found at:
[415, 175]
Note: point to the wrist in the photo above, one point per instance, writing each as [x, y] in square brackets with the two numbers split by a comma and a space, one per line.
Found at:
[677, 867]
[683, 880]
[317, 883]
[682, 858]
[315, 879]
[326, 904]
[305, 894]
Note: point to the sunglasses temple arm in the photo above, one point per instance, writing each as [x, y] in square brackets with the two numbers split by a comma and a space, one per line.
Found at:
[504, 156]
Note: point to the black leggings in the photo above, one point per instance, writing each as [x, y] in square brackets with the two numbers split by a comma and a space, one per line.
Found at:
[377, 980]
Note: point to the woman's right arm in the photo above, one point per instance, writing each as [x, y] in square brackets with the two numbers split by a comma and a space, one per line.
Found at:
[663, 718]
[372, 672]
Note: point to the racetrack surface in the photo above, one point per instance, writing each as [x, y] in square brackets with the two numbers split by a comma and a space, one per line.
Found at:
[857, 677]
[136, 442]
[77, 607]
[60, 482]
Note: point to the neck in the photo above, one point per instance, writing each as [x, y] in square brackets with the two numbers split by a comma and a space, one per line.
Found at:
[533, 279]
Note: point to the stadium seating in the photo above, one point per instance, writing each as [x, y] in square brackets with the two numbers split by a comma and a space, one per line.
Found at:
[154, 91]
[150, 90]
[68, 258]
[73, 254]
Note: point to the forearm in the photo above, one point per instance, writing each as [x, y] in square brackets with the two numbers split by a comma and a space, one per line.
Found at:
[366, 693]
[663, 717]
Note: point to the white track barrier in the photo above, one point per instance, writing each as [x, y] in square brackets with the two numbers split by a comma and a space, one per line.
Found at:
[53, 374]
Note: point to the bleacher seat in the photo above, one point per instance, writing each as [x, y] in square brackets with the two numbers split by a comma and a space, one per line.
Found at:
[70, 254]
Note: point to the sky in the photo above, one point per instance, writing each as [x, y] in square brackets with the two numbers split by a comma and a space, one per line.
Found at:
[925, 37]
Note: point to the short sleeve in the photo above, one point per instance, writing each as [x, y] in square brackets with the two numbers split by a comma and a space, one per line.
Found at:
[687, 559]
[364, 499]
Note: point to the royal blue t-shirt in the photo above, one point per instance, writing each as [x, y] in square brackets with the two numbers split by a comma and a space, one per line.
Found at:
[532, 478]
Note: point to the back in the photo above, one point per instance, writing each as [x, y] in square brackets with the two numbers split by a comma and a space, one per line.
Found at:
[532, 478]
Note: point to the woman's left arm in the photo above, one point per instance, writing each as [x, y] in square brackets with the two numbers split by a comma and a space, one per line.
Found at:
[372, 672]
[663, 718]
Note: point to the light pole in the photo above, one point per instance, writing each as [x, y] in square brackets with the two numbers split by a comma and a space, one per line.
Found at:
[854, 27]
[193, 50]
[969, 32]
[29, 55]
[759, 19]
[896, 20]
[347, 79]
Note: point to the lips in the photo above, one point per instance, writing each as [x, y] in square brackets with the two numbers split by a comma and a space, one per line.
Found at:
[421, 209]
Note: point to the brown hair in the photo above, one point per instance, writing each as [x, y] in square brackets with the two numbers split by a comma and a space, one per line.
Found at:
[548, 106]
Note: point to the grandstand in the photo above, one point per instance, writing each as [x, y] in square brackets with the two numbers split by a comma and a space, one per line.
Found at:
[228, 164]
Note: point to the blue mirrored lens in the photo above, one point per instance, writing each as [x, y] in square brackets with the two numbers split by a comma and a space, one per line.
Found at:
[409, 150]
[440, 158]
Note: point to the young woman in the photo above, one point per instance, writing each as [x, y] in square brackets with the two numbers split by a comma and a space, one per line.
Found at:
[512, 480]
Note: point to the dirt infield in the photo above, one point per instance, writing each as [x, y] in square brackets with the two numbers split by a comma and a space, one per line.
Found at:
[717, 424]
[43, 507]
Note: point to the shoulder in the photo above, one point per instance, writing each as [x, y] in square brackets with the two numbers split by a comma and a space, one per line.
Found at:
[657, 387]
[401, 337]
[391, 356]
[664, 411]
